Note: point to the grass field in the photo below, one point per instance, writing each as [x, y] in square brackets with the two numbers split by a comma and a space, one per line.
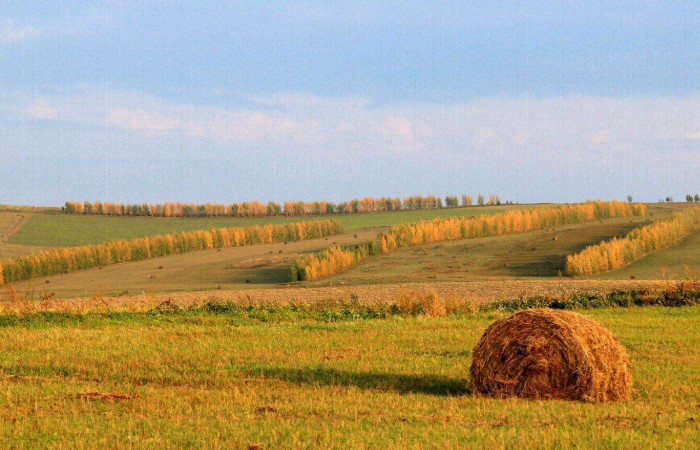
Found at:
[59, 230]
[214, 380]
[112, 357]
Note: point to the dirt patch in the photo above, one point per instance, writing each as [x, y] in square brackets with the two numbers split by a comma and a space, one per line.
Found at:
[619, 422]
[259, 262]
[105, 396]
[265, 410]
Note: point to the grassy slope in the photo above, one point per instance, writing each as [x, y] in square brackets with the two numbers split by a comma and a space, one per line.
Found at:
[194, 271]
[206, 381]
[535, 254]
[58, 230]
[263, 265]
[504, 257]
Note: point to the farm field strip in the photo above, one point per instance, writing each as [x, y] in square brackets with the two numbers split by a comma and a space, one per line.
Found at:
[477, 291]
[10, 224]
[262, 266]
[72, 259]
[679, 261]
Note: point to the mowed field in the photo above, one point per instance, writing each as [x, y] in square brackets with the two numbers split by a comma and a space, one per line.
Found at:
[148, 354]
[220, 381]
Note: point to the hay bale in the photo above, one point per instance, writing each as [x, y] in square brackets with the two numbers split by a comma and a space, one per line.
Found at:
[551, 354]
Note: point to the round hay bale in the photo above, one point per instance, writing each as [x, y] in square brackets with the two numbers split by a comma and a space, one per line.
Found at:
[551, 354]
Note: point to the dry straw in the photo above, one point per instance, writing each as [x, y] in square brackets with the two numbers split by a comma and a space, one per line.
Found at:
[551, 354]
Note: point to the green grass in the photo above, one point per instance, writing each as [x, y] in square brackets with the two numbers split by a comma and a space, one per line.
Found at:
[210, 380]
[59, 230]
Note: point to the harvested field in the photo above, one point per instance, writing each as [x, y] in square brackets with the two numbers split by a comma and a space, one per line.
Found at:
[219, 380]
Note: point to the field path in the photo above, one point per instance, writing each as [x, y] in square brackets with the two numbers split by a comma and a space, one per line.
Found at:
[11, 223]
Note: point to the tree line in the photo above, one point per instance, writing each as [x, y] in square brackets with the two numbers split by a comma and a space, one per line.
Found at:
[618, 252]
[336, 259]
[70, 259]
[259, 209]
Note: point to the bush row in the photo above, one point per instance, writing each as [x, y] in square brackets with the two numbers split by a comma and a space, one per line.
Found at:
[683, 293]
[337, 259]
[618, 252]
[70, 259]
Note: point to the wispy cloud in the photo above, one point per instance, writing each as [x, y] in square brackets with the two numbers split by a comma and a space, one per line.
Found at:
[39, 110]
[12, 33]
[19, 30]
[515, 128]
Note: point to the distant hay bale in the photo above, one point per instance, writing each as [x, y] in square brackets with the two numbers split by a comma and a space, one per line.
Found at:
[551, 354]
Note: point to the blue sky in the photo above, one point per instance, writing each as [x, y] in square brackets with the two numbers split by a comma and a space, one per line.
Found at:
[231, 101]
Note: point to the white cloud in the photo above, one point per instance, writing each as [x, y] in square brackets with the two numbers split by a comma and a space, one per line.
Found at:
[15, 30]
[554, 128]
[141, 120]
[40, 110]
[602, 137]
[486, 133]
[11, 33]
